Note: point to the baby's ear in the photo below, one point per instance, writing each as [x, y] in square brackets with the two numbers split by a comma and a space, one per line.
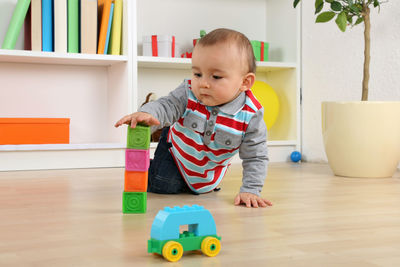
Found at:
[248, 81]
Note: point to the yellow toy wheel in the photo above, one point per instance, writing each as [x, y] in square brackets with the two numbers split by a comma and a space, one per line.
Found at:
[172, 251]
[210, 246]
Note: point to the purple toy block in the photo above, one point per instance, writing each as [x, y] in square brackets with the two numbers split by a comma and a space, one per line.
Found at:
[137, 159]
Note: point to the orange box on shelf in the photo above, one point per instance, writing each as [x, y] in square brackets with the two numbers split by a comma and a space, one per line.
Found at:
[135, 181]
[18, 131]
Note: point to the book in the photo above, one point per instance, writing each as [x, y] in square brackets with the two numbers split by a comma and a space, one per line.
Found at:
[116, 29]
[27, 33]
[47, 26]
[60, 26]
[109, 29]
[36, 25]
[89, 26]
[104, 7]
[73, 26]
[15, 25]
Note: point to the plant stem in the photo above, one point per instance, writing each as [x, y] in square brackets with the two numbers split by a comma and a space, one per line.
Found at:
[367, 49]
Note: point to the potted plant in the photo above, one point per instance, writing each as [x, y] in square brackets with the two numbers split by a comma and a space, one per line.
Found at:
[361, 138]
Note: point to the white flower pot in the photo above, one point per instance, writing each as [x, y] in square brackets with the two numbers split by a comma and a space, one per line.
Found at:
[362, 139]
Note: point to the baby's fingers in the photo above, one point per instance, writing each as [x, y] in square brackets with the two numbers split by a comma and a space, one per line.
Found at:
[254, 202]
[237, 200]
[125, 119]
[264, 202]
[144, 118]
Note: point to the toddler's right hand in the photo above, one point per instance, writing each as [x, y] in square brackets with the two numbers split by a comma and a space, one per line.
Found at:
[134, 118]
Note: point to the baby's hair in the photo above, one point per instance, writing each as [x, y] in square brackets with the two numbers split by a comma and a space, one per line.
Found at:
[222, 35]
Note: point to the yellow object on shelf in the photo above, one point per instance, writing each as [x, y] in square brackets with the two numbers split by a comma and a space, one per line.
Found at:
[267, 97]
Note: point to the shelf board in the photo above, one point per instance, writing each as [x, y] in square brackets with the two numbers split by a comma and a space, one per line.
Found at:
[164, 63]
[185, 64]
[267, 66]
[47, 147]
[24, 56]
[282, 143]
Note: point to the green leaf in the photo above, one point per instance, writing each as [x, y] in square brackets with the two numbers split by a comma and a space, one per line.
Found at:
[319, 4]
[377, 4]
[359, 20]
[336, 6]
[295, 3]
[329, 1]
[341, 21]
[357, 8]
[350, 20]
[325, 16]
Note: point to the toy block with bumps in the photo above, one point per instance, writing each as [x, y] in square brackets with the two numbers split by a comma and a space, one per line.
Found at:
[139, 137]
[137, 161]
[135, 181]
[134, 202]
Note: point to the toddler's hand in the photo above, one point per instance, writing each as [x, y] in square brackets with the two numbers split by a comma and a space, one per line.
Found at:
[251, 200]
[134, 118]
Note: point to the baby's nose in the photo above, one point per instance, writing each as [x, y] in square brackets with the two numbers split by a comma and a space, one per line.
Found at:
[204, 83]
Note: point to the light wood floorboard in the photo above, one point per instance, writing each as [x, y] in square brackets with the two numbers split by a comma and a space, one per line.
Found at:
[74, 218]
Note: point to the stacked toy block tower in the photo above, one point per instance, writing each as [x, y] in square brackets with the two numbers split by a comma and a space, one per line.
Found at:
[137, 161]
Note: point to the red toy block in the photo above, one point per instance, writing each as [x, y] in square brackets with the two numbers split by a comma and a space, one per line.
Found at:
[135, 181]
[137, 160]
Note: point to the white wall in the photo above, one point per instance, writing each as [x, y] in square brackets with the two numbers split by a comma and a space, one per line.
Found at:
[332, 64]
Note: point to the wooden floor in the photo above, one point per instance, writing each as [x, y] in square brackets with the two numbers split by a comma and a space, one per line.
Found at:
[73, 218]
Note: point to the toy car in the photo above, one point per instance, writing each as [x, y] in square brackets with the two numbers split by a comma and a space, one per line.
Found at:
[168, 242]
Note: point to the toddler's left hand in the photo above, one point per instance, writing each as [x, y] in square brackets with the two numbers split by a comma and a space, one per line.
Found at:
[251, 200]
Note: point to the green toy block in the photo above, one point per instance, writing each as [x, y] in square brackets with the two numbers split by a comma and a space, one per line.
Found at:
[138, 137]
[257, 45]
[134, 202]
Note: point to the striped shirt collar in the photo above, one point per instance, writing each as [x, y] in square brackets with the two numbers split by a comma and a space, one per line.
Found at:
[235, 105]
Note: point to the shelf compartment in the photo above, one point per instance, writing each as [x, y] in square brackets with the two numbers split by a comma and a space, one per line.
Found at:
[61, 158]
[35, 57]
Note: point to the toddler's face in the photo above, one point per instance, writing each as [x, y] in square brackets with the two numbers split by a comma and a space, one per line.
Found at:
[218, 73]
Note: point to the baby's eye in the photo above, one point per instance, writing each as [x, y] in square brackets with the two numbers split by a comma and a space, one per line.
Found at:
[217, 77]
[198, 75]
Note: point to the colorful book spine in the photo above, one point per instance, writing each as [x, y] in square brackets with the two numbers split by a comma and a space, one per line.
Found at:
[104, 11]
[73, 26]
[137, 161]
[27, 32]
[60, 26]
[116, 28]
[89, 26]
[36, 25]
[47, 26]
[16, 22]
[109, 29]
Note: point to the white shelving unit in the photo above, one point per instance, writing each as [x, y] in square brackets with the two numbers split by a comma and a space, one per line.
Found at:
[96, 90]
[93, 90]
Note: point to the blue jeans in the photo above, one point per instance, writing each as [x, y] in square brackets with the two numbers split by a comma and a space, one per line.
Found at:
[164, 175]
